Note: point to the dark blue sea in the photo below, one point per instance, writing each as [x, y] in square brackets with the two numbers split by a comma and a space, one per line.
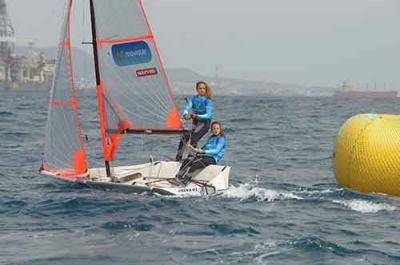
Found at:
[283, 206]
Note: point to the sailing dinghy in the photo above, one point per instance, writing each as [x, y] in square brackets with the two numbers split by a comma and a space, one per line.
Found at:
[134, 97]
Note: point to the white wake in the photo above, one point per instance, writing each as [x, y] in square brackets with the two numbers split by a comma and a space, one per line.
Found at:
[246, 191]
[365, 206]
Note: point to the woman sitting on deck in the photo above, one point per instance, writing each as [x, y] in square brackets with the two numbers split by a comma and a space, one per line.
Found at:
[210, 154]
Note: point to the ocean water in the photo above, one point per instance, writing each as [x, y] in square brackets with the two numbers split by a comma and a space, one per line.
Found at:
[283, 206]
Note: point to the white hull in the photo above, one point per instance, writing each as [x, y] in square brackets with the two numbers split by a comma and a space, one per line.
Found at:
[153, 178]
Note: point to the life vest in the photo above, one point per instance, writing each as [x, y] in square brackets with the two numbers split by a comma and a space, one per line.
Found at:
[200, 103]
[215, 147]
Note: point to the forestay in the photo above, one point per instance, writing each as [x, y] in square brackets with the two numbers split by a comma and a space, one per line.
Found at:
[134, 91]
[64, 147]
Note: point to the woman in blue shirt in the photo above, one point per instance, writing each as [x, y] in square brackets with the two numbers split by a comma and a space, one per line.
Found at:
[210, 154]
[200, 108]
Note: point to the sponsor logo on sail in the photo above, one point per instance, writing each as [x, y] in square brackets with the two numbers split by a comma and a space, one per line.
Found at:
[131, 53]
[146, 72]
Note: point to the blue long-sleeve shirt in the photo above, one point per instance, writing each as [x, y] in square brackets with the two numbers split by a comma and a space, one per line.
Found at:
[202, 106]
[215, 147]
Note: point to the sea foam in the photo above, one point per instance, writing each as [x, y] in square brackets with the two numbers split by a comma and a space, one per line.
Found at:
[246, 191]
[365, 206]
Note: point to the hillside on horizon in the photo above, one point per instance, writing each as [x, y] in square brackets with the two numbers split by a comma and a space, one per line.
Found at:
[184, 79]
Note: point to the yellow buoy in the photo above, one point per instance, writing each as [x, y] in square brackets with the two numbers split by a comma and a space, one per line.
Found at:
[367, 154]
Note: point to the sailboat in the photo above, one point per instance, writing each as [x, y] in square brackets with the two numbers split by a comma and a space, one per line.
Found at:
[134, 97]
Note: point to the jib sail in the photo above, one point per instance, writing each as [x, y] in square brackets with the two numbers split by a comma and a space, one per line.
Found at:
[64, 147]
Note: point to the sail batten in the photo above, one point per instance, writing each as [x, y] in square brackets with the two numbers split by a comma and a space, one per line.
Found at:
[123, 40]
[61, 103]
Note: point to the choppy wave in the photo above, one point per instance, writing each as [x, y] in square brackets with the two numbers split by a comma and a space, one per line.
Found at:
[316, 250]
[292, 213]
[6, 113]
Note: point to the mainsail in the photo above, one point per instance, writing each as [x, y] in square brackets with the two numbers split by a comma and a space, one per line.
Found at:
[132, 85]
[64, 147]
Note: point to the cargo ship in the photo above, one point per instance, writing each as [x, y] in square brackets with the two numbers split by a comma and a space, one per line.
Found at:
[350, 91]
[20, 74]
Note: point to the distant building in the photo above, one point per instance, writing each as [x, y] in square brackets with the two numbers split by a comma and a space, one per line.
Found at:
[21, 73]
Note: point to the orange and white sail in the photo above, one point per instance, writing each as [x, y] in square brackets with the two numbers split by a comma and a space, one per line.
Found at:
[64, 148]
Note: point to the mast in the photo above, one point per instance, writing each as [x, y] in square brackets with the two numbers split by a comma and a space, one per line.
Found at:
[99, 86]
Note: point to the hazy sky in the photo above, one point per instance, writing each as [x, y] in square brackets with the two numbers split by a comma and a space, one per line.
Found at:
[312, 42]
